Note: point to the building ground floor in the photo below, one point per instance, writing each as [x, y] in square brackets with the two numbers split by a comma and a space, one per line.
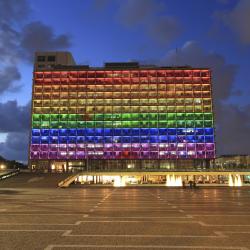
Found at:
[174, 179]
[117, 165]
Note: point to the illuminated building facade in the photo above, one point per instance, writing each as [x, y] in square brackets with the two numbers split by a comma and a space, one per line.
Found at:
[120, 116]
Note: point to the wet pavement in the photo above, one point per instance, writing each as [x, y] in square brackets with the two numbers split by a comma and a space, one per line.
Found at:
[124, 218]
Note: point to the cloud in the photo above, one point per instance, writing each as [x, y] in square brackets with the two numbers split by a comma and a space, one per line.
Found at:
[9, 76]
[233, 128]
[14, 118]
[15, 147]
[19, 39]
[38, 36]
[232, 122]
[238, 20]
[194, 55]
[149, 16]
[13, 10]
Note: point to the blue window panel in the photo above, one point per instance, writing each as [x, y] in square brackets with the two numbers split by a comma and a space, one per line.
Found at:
[44, 132]
[153, 131]
[125, 139]
[190, 138]
[135, 139]
[209, 138]
[80, 131]
[63, 132]
[117, 132]
[53, 139]
[190, 131]
[72, 139]
[172, 138]
[163, 138]
[172, 131]
[181, 139]
[199, 131]
[144, 139]
[72, 132]
[98, 131]
[54, 132]
[200, 138]
[35, 139]
[80, 139]
[135, 131]
[126, 132]
[108, 132]
[209, 131]
[117, 139]
[107, 139]
[153, 139]
[63, 139]
[44, 139]
[36, 132]
[90, 131]
[144, 131]
[163, 131]
[181, 131]
[99, 139]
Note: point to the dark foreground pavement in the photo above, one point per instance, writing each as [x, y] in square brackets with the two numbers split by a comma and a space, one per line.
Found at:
[124, 218]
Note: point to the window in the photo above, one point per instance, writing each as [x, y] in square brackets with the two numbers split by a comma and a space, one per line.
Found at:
[51, 59]
[41, 58]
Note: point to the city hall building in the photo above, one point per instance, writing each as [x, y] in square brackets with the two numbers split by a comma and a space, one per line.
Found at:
[119, 117]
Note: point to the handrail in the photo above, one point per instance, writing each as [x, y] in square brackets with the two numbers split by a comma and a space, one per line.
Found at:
[9, 174]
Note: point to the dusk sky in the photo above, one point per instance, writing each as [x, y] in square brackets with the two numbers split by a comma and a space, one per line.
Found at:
[199, 33]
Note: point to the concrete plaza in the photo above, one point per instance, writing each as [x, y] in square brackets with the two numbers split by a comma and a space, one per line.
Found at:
[124, 218]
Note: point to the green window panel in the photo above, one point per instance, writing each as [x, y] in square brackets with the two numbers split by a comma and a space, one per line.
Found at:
[126, 117]
[108, 117]
[134, 117]
[153, 124]
[126, 124]
[162, 117]
[36, 117]
[54, 124]
[45, 117]
[79, 117]
[99, 124]
[189, 124]
[171, 116]
[72, 117]
[181, 116]
[135, 124]
[54, 117]
[198, 116]
[108, 124]
[208, 123]
[190, 116]
[181, 123]
[143, 116]
[198, 123]
[72, 124]
[171, 124]
[63, 117]
[36, 124]
[208, 116]
[117, 124]
[153, 116]
[99, 117]
[90, 124]
[117, 117]
[45, 124]
[63, 124]
[144, 124]
[163, 124]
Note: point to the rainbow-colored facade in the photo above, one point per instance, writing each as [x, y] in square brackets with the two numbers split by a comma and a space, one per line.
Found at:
[122, 111]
